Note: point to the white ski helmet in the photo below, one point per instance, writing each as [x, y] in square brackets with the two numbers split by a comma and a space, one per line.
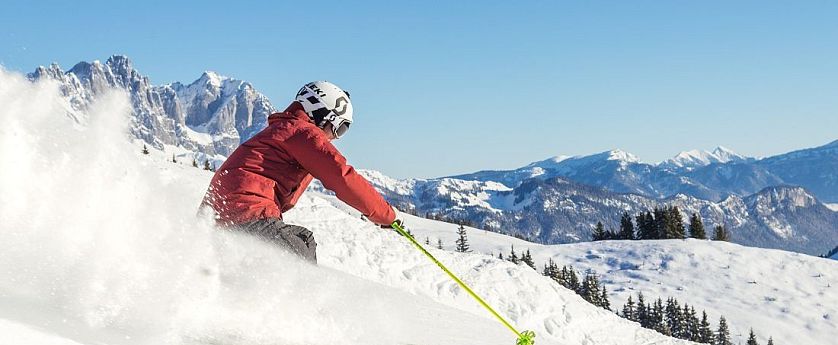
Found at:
[324, 103]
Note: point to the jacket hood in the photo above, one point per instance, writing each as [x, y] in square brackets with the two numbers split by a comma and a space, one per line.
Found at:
[293, 111]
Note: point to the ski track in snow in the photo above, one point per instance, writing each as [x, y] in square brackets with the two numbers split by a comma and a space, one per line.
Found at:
[102, 245]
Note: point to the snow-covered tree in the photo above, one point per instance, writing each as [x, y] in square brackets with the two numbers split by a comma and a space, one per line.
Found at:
[145, 150]
[527, 259]
[513, 257]
[752, 338]
[705, 333]
[439, 243]
[603, 299]
[462, 240]
[629, 312]
[723, 334]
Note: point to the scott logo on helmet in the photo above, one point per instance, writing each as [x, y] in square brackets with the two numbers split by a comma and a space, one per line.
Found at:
[341, 101]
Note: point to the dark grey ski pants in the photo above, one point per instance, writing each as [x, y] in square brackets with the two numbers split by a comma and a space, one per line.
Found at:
[295, 238]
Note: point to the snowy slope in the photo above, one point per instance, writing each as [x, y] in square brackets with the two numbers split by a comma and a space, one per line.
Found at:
[101, 245]
[788, 296]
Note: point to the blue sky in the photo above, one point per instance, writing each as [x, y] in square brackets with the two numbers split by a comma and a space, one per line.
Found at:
[441, 88]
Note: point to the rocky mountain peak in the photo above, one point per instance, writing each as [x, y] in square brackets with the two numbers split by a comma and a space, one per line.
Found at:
[212, 115]
[786, 196]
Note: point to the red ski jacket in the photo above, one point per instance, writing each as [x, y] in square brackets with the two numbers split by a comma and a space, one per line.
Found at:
[266, 175]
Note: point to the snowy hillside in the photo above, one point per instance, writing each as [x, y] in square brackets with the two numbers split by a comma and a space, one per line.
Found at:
[785, 295]
[102, 246]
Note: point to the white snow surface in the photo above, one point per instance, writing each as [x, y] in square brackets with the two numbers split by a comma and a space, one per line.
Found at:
[788, 296]
[102, 245]
[833, 207]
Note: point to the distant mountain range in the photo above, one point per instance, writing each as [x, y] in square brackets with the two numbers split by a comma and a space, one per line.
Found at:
[706, 175]
[770, 202]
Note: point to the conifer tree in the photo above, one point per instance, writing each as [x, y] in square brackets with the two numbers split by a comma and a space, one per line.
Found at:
[649, 230]
[174, 160]
[660, 220]
[629, 310]
[439, 243]
[752, 338]
[551, 270]
[599, 232]
[500, 255]
[626, 227]
[705, 333]
[573, 280]
[590, 289]
[723, 334]
[513, 257]
[675, 224]
[692, 324]
[207, 165]
[462, 240]
[642, 311]
[603, 299]
[770, 341]
[720, 233]
[658, 320]
[427, 241]
[673, 317]
[697, 227]
[194, 163]
[527, 259]
[145, 150]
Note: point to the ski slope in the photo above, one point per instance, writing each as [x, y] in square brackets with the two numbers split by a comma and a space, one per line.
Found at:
[102, 245]
[789, 296]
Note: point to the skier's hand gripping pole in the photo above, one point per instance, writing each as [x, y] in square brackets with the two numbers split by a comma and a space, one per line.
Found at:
[524, 338]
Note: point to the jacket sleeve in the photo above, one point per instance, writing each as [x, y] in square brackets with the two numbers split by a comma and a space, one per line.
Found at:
[313, 151]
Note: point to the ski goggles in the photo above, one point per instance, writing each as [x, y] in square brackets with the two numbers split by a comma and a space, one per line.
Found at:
[341, 127]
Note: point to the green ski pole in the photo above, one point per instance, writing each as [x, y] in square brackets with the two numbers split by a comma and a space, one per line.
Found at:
[524, 338]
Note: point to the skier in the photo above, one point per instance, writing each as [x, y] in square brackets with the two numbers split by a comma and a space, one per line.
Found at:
[266, 175]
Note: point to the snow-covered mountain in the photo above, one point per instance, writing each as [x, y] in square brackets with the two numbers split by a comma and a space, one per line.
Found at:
[815, 168]
[705, 175]
[127, 261]
[557, 210]
[211, 115]
[689, 160]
